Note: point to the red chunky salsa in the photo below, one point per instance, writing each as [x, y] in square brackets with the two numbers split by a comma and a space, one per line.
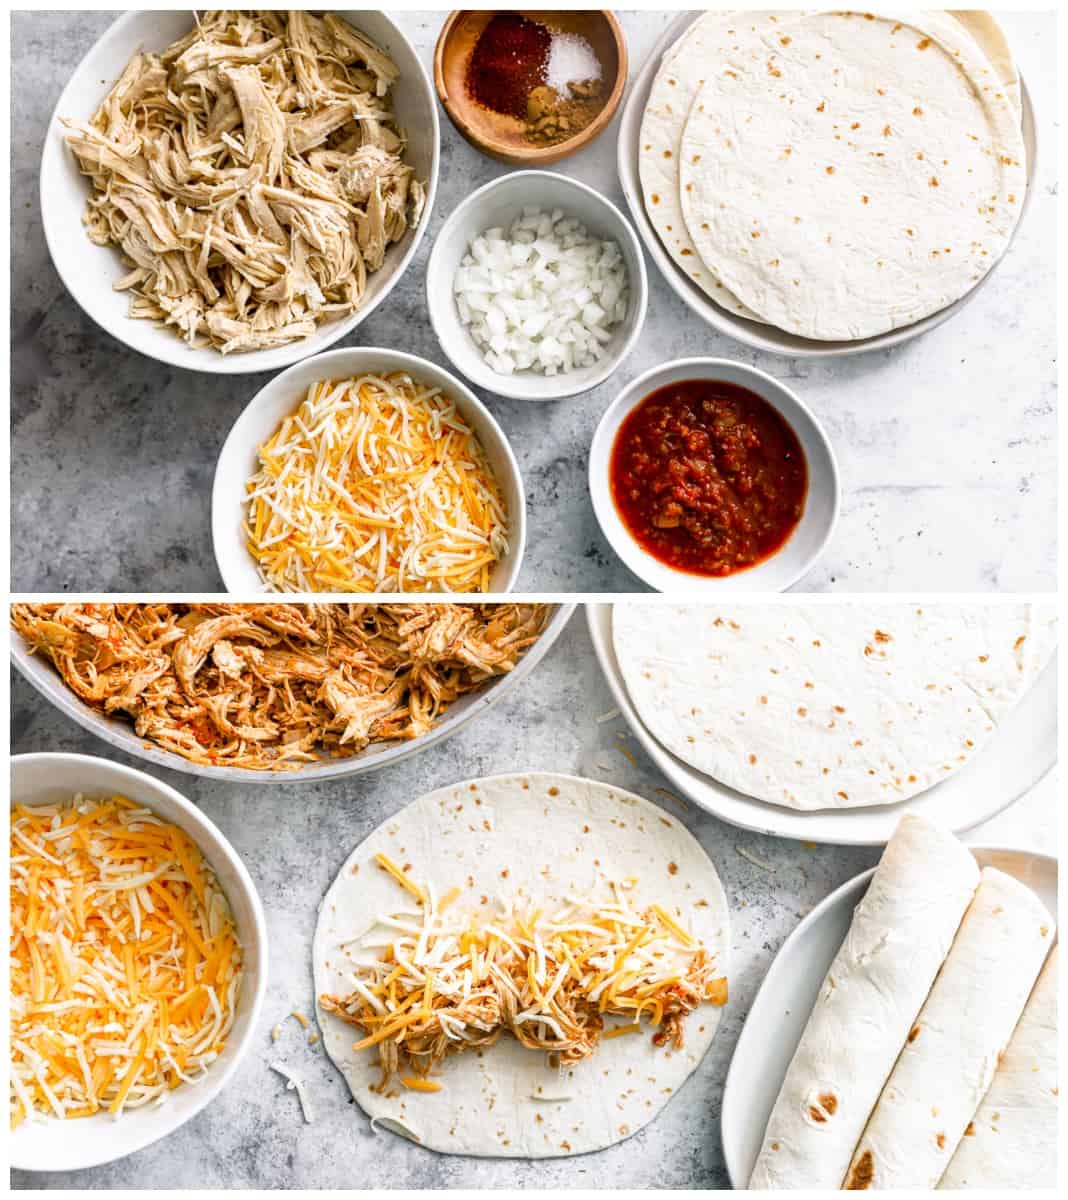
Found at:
[708, 477]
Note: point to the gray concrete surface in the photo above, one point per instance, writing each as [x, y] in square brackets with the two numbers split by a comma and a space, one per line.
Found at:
[946, 445]
[293, 838]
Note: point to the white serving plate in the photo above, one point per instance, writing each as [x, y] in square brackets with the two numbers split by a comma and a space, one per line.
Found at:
[120, 733]
[752, 333]
[88, 270]
[778, 1015]
[279, 398]
[90, 1141]
[1021, 752]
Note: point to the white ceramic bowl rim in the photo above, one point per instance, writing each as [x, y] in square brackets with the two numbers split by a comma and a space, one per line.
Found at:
[237, 442]
[137, 335]
[460, 715]
[649, 569]
[213, 845]
[564, 384]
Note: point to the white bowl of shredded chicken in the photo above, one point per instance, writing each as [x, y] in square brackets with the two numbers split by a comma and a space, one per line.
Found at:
[236, 194]
[131, 910]
[365, 471]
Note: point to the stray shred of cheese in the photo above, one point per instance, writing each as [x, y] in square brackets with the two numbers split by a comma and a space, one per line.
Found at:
[375, 484]
[125, 962]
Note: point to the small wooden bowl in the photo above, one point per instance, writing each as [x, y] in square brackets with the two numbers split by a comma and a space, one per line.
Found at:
[503, 137]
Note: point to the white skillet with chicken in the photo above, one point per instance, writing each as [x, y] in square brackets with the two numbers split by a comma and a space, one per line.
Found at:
[272, 686]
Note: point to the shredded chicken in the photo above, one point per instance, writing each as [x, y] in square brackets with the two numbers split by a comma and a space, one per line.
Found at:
[252, 175]
[272, 686]
[456, 980]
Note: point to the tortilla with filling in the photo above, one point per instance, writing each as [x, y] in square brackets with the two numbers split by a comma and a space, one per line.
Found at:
[548, 835]
[1011, 1142]
[817, 706]
[874, 165]
[950, 1055]
[898, 939]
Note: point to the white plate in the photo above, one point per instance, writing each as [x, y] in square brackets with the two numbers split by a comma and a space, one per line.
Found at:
[88, 271]
[1021, 752]
[777, 1017]
[120, 733]
[752, 333]
[88, 1142]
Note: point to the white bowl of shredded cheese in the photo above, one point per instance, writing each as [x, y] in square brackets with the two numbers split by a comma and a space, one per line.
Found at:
[367, 470]
[556, 211]
[43, 1142]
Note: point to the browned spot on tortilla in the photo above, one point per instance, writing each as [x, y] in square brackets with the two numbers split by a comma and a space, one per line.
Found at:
[817, 1114]
[933, 181]
[882, 637]
[864, 199]
[843, 795]
[673, 868]
[922, 45]
[839, 709]
[667, 153]
[1019, 641]
[752, 758]
[655, 198]
[830, 1102]
[862, 1174]
[802, 712]
[940, 1139]
[830, 170]
[970, 1131]
[685, 252]
[914, 1033]
[821, 106]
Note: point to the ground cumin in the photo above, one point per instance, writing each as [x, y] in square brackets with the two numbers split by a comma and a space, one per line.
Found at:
[553, 118]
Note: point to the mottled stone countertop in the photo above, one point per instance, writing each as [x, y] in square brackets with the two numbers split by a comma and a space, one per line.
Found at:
[946, 445]
[294, 837]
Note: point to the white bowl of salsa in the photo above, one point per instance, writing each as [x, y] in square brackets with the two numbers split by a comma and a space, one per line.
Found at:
[709, 475]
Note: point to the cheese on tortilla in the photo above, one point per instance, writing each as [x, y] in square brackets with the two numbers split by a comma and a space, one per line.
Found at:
[899, 936]
[816, 706]
[846, 174]
[1011, 1142]
[951, 1052]
[547, 837]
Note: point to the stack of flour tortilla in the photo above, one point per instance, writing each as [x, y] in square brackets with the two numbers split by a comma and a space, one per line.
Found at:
[929, 1058]
[819, 707]
[835, 174]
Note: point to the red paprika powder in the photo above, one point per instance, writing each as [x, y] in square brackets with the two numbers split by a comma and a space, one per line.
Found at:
[509, 60]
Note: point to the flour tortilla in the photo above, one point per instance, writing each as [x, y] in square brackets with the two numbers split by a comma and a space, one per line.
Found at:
[549, 832]
[1011, 1141]
[991, 40]
[814, 112]
[678, 81]
[817, 706]
[951, 1053]
[898, 939]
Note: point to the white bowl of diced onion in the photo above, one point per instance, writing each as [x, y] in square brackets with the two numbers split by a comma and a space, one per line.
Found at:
[588, 335]
[48, 1144]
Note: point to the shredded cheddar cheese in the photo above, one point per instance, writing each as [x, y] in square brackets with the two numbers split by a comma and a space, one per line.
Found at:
[430, 983]
[375, 484]
[125, 963]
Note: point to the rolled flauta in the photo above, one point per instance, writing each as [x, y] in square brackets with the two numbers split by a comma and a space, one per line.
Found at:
[952, 1051]
[900, 935]
[1012, 1140]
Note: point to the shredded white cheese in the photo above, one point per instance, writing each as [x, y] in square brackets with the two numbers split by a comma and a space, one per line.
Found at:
[375, 484]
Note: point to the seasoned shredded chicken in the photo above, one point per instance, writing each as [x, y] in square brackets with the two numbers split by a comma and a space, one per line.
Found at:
[252, 175]
[271, 686]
